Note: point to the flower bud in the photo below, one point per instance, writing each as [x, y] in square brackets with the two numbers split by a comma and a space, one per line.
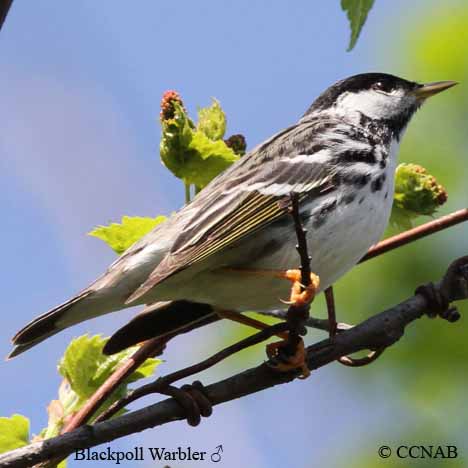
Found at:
[418, 191]
[167, 104]
[237, 143]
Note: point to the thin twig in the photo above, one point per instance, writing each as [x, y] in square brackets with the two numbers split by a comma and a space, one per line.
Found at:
[379, 331]
[297, 315]
[416, 233]
[331, 309]
[346, 360]
[238, 317]
[301, 246]
[163, 382]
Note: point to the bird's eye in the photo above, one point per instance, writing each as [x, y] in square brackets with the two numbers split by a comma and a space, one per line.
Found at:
[379, 86]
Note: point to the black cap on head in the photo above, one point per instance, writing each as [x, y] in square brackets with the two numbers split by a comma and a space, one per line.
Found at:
[361, 82]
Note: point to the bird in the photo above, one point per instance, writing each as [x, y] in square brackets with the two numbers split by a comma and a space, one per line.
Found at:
[230, 248]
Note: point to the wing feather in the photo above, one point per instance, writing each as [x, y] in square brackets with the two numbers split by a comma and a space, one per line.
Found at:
[225, 213]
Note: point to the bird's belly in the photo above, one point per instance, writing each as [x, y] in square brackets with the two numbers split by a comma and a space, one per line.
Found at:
[345, 238]
[335, 244]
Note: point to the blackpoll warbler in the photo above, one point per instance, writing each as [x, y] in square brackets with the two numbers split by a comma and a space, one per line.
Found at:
[225, 249]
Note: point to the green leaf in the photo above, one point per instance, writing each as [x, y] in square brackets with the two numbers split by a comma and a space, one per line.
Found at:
[14, 432]
[357, 11]
[212, 121]
[85, 369]
[208, 159]
[85, 366]
[80, 363]
[189, 154]
[122, 236]
[176, 136]
[417, 193]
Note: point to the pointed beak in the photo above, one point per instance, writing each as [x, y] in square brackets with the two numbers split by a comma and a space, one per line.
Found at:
[430, 89]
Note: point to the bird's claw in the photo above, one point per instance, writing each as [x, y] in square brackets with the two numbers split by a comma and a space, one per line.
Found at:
[279, 361]
[301, 295]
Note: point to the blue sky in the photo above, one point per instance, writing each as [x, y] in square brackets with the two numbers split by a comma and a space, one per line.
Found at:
[80, 86]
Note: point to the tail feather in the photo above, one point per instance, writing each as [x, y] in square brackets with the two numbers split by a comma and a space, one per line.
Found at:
[20, 349]
[47, 325]
[158, 320]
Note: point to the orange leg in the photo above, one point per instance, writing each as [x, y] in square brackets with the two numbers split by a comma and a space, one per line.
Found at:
[297, 361]
[272, 349]
[300, 296]
[244, 320]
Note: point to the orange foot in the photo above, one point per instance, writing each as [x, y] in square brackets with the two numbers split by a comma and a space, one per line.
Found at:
[298, 361]
[301, 295]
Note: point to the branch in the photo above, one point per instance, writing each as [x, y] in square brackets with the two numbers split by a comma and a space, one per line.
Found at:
[149, 348]
[416, 233]
[163, 382]
[379, 331]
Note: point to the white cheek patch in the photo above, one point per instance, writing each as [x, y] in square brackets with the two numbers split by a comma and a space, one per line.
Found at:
[373, 104]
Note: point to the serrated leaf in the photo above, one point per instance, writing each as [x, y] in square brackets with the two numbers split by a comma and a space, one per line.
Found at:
[189, 154]
[85, 369]
[356, 11]
[85, 366]
[80, 363]
[212, 121]
[14, 432]
[122, 236]
[208, 159]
